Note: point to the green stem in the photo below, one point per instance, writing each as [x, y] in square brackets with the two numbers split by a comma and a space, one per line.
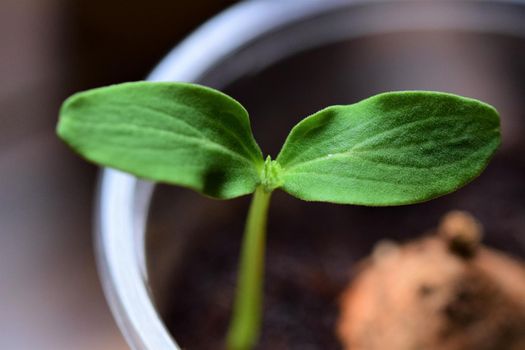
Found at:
[247, 309]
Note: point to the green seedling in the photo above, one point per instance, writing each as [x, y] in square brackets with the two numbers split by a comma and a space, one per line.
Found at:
[394, 148]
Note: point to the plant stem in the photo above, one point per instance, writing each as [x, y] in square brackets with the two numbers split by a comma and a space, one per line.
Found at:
[247, 309]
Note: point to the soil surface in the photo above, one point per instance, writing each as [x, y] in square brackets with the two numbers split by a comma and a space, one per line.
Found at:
[314, 249]
[313, 252]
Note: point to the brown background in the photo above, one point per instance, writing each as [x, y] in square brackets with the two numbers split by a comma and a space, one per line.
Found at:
[50, 297]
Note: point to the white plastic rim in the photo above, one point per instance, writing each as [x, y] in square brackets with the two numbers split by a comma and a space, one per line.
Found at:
[245, 33]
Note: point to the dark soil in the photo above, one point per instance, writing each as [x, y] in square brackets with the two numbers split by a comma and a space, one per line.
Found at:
[313, 248]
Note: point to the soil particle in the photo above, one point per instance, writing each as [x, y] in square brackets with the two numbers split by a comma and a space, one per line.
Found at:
[444, 291]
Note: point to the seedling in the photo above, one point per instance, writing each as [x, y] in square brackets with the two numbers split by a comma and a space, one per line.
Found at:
[394, 148]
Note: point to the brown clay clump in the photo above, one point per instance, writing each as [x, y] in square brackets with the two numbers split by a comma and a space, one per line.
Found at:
[445, 291]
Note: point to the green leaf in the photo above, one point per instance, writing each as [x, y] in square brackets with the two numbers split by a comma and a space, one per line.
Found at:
[391, 149]
[176, 133]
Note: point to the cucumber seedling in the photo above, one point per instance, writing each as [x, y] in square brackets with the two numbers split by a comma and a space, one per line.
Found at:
[394, 148]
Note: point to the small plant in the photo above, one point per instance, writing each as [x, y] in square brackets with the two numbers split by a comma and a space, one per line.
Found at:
[394, 148]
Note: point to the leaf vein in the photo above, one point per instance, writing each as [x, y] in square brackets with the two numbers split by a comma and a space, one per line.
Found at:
[358, 145]
[203, 116]
[203, 142]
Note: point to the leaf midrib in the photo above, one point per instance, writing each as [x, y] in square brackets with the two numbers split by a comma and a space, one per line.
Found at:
[204, 117]
[358, 145]
[350, 153]
[203, 142]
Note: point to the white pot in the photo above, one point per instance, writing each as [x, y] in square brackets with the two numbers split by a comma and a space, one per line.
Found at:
[246, 38]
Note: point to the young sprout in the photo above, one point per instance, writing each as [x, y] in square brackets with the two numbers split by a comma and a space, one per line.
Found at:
[394, 148]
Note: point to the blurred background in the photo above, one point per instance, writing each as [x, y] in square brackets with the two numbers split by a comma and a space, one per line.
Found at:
[50, 297]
